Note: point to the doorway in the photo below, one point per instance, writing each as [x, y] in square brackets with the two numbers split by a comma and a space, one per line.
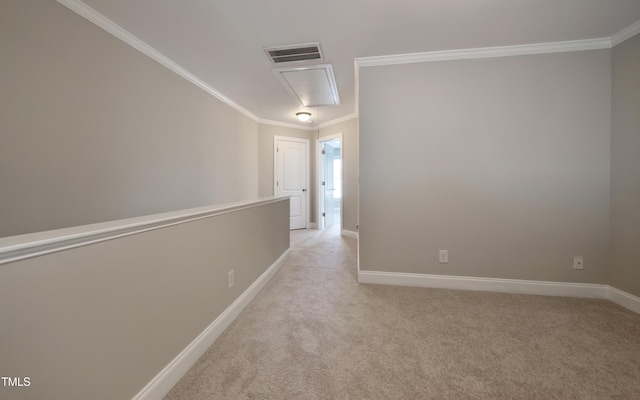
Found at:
[291, 173]
[329, 172]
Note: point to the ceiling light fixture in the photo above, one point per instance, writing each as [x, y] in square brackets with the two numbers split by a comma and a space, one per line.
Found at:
[303, 116]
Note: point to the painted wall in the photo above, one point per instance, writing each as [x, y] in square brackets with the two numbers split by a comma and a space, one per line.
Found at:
[349, 148]
[102, 320]
[93, 130]
[625, 167]
[505, 162]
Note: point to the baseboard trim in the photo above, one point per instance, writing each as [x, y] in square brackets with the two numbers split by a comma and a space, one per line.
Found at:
[348, 233]
[624, 299]
[485, 284]
[542, 288]
[162, 383]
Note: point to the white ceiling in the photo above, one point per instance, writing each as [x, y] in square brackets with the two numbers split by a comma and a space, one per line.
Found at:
[221, 41]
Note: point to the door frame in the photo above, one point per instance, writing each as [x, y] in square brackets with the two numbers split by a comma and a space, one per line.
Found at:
[307, 175]
[320, 176]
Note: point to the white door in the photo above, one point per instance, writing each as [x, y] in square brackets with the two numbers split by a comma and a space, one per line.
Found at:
[291, 175]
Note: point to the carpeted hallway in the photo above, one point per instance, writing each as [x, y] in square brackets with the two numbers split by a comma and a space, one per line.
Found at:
[314, 333]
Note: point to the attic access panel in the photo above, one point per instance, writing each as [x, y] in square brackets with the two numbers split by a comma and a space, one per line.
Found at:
[313, 85]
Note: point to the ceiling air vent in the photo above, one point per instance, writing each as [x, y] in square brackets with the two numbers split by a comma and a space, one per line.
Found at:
[300, 52]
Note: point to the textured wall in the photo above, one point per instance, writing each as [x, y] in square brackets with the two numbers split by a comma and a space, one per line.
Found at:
[625, 167]
[93, 130]
[504, 162]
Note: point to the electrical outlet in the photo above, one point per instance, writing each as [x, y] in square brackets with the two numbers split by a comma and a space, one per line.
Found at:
[444, 256]
[578, 262]
[230, 279]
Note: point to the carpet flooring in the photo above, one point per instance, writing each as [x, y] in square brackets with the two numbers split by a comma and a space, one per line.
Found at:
[315, 333]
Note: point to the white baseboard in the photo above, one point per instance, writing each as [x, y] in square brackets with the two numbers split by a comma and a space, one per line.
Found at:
[484, 284]
[542, 288]
[348, 233]
[624, 299]
[162, 383]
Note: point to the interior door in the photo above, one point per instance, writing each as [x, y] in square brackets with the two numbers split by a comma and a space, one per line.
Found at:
[291, 177]
[329, 185]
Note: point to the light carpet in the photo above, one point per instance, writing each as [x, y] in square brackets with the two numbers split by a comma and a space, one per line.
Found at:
[315, 333]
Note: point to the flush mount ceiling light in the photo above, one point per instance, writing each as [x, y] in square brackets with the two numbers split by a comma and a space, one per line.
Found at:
[303, 116]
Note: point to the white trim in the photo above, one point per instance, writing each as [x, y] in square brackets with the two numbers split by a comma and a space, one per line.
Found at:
[624, 299]
[308, 127]
[349, 233]
[485, 284]
[627, 33]
[116, 30]
[336, 121]
[287, 124]
[21, 247]
[356, 84]
[542, 288]
[485, 52]
[162, 383]
[105, 23]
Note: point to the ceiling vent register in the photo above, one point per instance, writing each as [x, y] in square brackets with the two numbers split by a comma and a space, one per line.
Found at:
[300, 52]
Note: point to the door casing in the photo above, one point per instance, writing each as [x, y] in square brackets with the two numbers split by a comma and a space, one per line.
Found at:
[320, 178]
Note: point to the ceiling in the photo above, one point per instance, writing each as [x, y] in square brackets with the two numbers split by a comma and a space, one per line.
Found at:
[221, 41]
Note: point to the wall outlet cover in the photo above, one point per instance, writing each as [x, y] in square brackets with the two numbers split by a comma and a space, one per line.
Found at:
[578, 262]
[443, 256]
[230, 279]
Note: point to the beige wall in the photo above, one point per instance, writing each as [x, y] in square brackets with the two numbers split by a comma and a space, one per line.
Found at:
[93, 130]
[350, 146]
[625, 167]
[504, 162]
[100, 321]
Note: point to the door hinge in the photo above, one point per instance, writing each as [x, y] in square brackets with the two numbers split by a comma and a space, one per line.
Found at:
[277, 183]
[323, 183]
[324, 215]
[323, 151]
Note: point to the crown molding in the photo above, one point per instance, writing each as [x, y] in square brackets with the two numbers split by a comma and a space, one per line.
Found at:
[485, 52]
[287, 124]
[338, 120]
[116, 30]
[627, 33]
[309, 127]
[105, 23]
